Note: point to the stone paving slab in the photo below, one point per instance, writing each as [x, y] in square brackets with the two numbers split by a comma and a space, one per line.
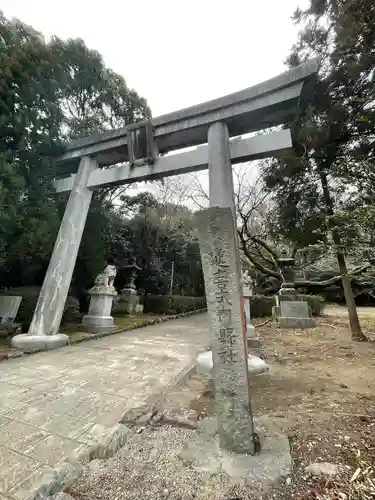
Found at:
[51, 402]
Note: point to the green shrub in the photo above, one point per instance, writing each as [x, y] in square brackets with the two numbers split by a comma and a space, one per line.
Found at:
[30, 295]
[316, 303]
[71, 312]
[177, 304]
[261, 306]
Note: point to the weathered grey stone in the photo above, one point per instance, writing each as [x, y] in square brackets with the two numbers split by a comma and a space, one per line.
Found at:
[250, 330]
[98, 318]
[128, 302]
[139, 309]
[50, 306]
[55, 480]
[112, 441]
[297, 322]
[204, 454]
[256, 365]
[9, 306]
[294, 309]
[70, 392]
[61, 496]
[323, 469]
[295, 314]
[218, 246]
[106, 278]
[32, 343]
[253, 342]
[105, 444]
[286, 269]
[255, 347]
[276, 313]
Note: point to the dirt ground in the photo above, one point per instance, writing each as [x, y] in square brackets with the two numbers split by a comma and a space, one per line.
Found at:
[320, 392]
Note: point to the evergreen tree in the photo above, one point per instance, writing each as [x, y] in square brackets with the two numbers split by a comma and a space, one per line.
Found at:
[335, 136]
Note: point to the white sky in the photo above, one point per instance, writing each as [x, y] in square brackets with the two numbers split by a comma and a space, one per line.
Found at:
[175, 54]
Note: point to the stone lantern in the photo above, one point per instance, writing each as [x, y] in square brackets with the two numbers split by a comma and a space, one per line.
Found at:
[128, 300]
[285, 265]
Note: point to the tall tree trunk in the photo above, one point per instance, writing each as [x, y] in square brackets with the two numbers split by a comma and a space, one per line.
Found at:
[355, 325]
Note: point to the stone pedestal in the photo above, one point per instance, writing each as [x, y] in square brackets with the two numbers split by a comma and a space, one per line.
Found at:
[204, 455]
[291, 311]
[99, 318]
[218, 247]
[128, 303]
[255, 365]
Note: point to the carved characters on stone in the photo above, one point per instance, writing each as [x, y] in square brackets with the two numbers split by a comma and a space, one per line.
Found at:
[227, 337]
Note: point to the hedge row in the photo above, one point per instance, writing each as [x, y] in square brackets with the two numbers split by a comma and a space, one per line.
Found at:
[177, 304]
[261, 305]
[30, 295]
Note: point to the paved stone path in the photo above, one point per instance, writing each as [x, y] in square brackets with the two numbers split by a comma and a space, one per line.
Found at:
[50, 401]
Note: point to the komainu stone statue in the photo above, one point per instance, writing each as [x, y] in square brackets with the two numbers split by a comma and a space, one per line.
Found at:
[99, 319]
[107, 277]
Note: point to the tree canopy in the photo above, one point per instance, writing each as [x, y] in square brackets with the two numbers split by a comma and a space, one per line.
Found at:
[50, 93]
[324, 190]
[318, 203]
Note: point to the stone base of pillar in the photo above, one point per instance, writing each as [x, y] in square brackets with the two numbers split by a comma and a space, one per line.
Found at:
[255, 364]
[204, 454]
[300, 323]
[98, 324]
[291, 311]
[128, 303]
[32, 343]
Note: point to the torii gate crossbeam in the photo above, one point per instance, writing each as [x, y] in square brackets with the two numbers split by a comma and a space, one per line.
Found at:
[270, 103]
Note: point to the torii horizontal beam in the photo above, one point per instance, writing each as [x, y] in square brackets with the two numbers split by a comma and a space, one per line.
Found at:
[253, 148]
[265, 105]
[271, 103]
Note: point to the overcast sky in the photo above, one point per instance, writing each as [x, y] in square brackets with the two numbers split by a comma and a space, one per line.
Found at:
[175, 54]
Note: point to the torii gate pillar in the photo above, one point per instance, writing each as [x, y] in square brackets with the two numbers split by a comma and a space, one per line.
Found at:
[268, 104]
[217, 232]
[44, 328]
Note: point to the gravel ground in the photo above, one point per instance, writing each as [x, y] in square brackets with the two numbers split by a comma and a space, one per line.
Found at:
[149, 467]
[320, 392]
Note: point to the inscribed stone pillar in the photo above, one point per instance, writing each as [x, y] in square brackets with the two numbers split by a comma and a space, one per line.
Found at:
[44, 328]
[221, 190]
[223, 291]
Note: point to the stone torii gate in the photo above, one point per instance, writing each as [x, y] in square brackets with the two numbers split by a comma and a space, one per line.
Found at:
[214, 126]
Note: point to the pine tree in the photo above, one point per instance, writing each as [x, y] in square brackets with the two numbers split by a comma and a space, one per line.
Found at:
[335, 135]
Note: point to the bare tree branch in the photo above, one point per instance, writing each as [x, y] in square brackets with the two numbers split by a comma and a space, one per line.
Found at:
[334, 279]
[257, 264]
